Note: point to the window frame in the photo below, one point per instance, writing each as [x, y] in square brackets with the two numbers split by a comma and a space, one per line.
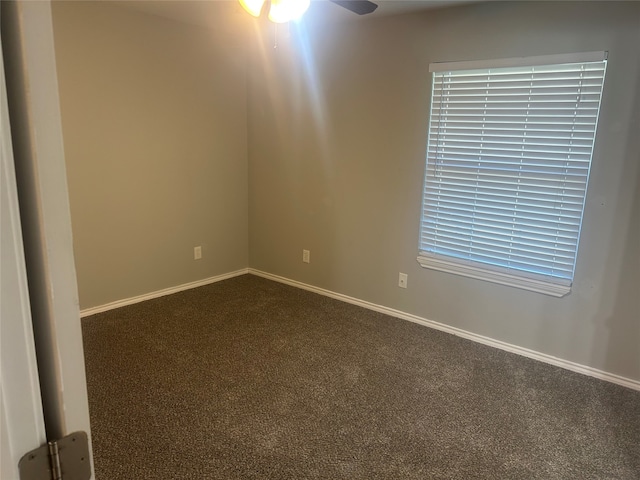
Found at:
[545, 284]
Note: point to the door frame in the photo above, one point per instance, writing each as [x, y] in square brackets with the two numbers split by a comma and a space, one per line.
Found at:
[36, 132]
[21, 418]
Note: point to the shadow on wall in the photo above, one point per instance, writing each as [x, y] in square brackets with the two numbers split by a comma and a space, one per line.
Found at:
[623, 321]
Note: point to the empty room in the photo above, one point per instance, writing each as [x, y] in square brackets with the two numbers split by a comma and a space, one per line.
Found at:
[382, 240]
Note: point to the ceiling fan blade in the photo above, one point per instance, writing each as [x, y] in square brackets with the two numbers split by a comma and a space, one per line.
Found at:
[361, 7]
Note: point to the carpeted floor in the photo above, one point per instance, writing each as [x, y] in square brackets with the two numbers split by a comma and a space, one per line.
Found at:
[251, 379]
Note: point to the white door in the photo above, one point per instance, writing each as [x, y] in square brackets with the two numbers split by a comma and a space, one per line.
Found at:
[21, 420]
[47, 314]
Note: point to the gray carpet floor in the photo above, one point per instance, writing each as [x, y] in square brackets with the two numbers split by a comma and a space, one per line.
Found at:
[251, 379]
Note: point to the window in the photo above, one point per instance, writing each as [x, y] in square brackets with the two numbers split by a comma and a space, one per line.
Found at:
[508, 159]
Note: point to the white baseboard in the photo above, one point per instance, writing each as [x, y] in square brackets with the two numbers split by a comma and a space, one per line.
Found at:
[525, 352]
[160, 293]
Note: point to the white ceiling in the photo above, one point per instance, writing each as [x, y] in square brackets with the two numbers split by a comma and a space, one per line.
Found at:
[204, 12]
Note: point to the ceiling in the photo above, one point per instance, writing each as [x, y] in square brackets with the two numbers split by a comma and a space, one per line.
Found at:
[204, 12]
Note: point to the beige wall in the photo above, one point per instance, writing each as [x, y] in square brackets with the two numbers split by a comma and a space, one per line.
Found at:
[337, 135]
[154, 124]
[161, 156]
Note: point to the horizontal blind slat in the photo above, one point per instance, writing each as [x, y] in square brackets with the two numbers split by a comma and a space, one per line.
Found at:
[568, 196]
[504, 254]
[507, 230]
[455, 216]
[547, 190]
[514, 199]
[486, 207]
[540, 175]
[567, 225]
[501, 238]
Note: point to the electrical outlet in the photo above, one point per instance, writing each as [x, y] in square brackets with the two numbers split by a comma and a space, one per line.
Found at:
[402, 280]
[197, 253]
[306, 256]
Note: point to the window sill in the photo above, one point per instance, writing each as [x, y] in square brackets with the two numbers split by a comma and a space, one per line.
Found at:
[494, 276]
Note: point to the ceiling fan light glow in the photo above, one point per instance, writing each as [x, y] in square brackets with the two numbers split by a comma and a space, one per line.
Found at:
[254, 7]
[286, 10]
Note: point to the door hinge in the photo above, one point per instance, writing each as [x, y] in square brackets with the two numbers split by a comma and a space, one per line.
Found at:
[63, 459]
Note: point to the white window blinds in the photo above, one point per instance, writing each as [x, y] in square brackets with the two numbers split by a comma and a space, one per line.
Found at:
[508, 160]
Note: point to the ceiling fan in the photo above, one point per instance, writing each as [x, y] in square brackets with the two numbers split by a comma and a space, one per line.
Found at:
[361, 7]
[281, 11]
